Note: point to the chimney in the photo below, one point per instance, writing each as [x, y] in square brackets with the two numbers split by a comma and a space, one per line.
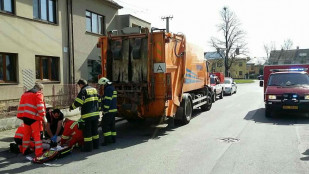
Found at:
[297, 47]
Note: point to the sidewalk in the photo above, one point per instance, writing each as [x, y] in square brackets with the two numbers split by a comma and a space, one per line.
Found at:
[7, 136]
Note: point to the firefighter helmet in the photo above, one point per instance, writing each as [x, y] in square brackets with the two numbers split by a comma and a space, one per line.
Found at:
[104, 81]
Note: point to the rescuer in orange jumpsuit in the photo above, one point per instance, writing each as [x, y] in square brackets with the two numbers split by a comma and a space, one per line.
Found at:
[71, 134]
[31, 110]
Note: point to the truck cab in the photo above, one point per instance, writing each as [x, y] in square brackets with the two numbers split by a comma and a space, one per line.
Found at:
[286, 88]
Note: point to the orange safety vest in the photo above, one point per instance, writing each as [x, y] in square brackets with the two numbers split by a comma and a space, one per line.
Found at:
[31, 106]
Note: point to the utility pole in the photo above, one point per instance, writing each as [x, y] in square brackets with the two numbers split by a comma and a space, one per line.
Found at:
[167, 22]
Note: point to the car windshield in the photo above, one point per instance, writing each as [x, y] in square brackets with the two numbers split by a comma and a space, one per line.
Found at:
[212, 81]
[288, 79]
[227, 81]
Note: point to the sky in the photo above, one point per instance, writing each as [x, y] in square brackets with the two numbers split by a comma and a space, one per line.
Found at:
[264, 21]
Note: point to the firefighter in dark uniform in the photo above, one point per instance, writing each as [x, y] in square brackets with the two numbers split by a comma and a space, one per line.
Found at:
[88, 100]
[109, 108]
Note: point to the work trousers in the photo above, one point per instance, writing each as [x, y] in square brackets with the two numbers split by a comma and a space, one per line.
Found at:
[90, 133]
[33, 129]
[109, 128]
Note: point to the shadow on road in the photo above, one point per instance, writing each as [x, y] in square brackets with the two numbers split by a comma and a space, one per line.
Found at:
[278, 118]
[307, 157]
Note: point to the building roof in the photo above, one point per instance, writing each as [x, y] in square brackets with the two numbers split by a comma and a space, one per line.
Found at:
[257, 61]
[216, 55]
[113, 3]
[212, 55]
[288, 55]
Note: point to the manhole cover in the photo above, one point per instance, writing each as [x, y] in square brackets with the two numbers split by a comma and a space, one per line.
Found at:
[229, 140]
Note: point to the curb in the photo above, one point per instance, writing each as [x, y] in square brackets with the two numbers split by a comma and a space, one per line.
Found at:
[14, 122]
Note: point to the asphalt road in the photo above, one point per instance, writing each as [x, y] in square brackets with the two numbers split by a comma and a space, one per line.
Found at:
[233, 137]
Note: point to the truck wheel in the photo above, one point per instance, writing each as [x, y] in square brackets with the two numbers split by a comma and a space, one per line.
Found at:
[214, 96]
[207, 106]
[221, 95]
[187, 110]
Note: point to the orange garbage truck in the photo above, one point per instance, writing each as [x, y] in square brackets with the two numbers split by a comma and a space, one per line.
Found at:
[156, 74]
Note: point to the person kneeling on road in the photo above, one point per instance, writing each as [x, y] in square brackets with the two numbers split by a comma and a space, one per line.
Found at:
[54, 124]
[72, 134]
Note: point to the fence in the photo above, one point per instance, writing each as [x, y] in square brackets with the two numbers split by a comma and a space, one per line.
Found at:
[61, 96]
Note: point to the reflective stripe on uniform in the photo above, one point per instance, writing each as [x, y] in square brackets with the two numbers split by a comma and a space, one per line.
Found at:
[107, 134]
[30, 105]
[95, 137]
[40, 146]
[30, 112]
[108, 98]
[88, 139]
[79, 100]
[18, 134]
[37, 142]
[40, 105]
[73, 106]
[90, 114]
[106, 107]
[40, 111]
[73, 124]
[91, 99]
[114, 133]
[113, 110]
[26, 142]
[65, 137]
[25, 146]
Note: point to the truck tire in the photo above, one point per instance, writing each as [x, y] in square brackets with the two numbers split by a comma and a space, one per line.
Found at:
[214, 97]
[221, 95]
[186, 104]
[207, 106]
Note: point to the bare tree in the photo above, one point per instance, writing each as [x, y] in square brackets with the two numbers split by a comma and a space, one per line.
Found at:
[288, 43]
[268, 49]
[232, 40]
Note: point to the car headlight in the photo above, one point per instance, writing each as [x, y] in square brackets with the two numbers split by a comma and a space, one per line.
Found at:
[272, 97]
[306, 97]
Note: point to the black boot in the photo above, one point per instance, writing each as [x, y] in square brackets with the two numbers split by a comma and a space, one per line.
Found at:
[14, 148]
[107, 140]
[113, 139]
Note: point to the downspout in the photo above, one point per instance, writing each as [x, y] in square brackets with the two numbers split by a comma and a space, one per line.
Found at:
[72, 27]
[71, 41]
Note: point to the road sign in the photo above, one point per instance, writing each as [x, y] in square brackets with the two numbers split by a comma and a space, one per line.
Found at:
[159, 68]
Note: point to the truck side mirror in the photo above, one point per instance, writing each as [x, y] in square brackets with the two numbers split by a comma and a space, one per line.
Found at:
[261, 83]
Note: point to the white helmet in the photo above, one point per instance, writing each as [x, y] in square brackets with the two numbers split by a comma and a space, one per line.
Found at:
[104, 81]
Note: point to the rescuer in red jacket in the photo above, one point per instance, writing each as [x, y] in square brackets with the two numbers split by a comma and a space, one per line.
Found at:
[31, 110]
[71, 134]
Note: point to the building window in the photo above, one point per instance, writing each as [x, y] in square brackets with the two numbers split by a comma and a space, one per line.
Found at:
[6, 6]
[240, 63]
[94, 69]
[47, 68]
[44, 10]
[8, 67]
[94, 23]
[240, 73]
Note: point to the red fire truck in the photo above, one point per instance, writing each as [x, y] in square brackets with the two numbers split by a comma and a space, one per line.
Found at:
[286, 88]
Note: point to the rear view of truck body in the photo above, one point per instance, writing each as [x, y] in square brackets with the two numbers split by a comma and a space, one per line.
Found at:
[152, 71]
